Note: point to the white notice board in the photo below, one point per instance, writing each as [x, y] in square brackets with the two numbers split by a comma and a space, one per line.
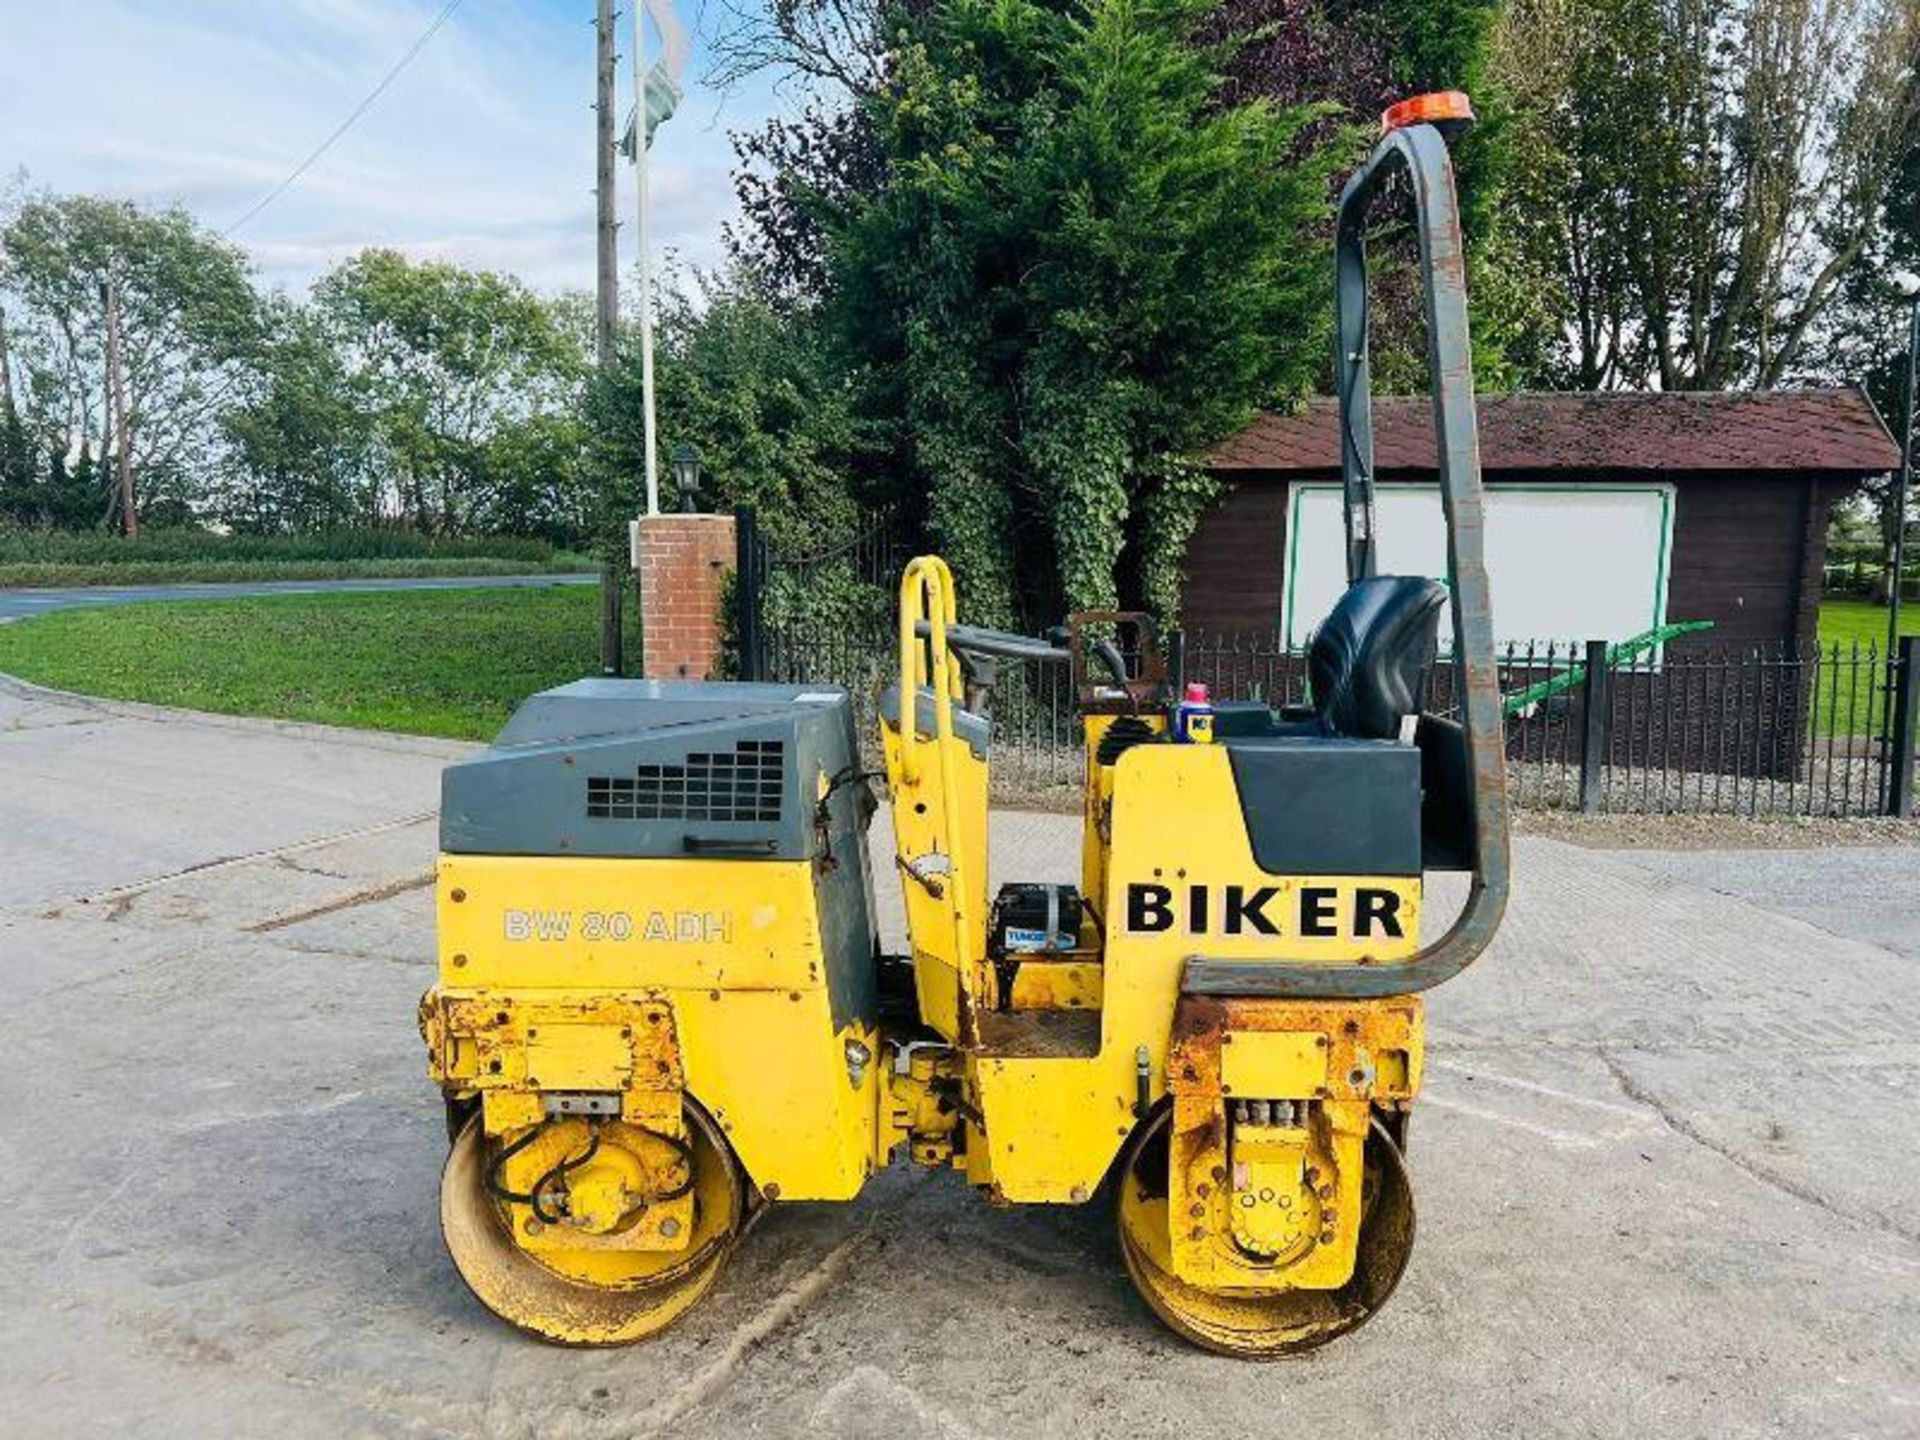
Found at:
[1564, 562]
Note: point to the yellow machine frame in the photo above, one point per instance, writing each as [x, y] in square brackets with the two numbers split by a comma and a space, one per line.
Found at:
[1032, 1093]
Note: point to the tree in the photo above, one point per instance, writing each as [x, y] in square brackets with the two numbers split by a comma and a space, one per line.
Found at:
[18, 471]
[20, 490]
[842, 46]
[1864, 339]
[1362, 56]
[794, 174]
[1700, 182]
[756, 390]
[190, 318]
[793, 177]
[300, 441]
[1350, 57]
[71, 499]
[466, 381]
[1080, 270]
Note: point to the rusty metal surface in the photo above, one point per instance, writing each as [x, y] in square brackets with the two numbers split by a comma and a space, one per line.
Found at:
[1421, 154]
[1254, 1324]
[1137, 637]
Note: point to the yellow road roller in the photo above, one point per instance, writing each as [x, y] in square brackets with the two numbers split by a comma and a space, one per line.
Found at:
[662, 1004]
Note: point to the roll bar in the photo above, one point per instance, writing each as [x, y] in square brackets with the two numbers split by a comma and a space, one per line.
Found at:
[1420, 151]
[927, 614]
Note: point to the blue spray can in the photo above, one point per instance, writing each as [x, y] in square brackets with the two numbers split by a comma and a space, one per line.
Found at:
[1193, 721]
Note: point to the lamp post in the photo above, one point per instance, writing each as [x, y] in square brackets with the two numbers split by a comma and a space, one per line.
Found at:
[686, 477]
[1899, 723]
[1908, 284]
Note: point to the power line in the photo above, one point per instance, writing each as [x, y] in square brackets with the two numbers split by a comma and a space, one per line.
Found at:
[446, 13]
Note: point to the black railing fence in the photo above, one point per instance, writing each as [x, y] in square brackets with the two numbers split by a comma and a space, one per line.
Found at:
[1693, 729]
[1699, 731]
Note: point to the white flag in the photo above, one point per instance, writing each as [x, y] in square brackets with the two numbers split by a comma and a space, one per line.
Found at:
[674, 43]
[661, 84]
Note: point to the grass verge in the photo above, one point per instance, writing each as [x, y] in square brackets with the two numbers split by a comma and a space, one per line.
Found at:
[450, 663]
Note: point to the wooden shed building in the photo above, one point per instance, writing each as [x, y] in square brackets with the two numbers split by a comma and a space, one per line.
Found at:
[1607, 514]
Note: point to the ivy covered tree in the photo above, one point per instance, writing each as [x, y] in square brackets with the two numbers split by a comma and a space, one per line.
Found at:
[1362, 56]
[1082, 268]
[1351, 58]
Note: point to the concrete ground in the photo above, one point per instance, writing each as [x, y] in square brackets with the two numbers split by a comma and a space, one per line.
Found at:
[1665, 1160]
[23, 604]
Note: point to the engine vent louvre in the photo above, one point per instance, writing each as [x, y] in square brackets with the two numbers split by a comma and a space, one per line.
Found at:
[744, 783]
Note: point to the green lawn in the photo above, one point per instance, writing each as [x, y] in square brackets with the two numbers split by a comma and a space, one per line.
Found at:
[1852, 699]
[446, 662]
[1845, 621]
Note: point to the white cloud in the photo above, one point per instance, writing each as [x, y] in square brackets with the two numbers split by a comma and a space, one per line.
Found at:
[480, 152]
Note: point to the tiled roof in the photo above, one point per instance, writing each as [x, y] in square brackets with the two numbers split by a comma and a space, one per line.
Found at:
[1823, 430]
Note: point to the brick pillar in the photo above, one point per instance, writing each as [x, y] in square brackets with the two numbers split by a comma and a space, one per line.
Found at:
[683, 562]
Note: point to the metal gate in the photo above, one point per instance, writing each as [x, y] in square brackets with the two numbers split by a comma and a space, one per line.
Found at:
[820, 618]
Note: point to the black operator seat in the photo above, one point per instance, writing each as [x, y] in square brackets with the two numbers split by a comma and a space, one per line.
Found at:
[1368, 664]
[1333, 792]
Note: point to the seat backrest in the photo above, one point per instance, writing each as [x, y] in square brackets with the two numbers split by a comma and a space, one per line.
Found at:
[1369, 659]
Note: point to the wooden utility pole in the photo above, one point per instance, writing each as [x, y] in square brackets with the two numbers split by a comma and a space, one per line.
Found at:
[607, 254]
[118, 427]
[613, 577]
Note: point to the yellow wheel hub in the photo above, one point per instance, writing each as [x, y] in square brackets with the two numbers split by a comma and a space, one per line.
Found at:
[524, 1270]
[1262, 1324]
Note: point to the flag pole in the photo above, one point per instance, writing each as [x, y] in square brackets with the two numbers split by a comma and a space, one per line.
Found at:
[640, 148]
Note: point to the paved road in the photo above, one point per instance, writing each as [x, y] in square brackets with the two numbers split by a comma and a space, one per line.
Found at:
[1868, 894]
[23, 604]
[1665, 1162]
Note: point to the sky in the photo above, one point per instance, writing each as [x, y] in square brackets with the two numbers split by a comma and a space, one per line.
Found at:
[480, 152]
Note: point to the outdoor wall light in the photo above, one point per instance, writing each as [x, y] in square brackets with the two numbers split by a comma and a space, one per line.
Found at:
[686, 477]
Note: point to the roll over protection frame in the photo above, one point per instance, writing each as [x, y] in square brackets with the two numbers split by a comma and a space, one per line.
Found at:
[1420, 152]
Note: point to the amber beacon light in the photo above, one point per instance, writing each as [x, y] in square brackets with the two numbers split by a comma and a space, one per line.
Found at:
[1448, 109]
